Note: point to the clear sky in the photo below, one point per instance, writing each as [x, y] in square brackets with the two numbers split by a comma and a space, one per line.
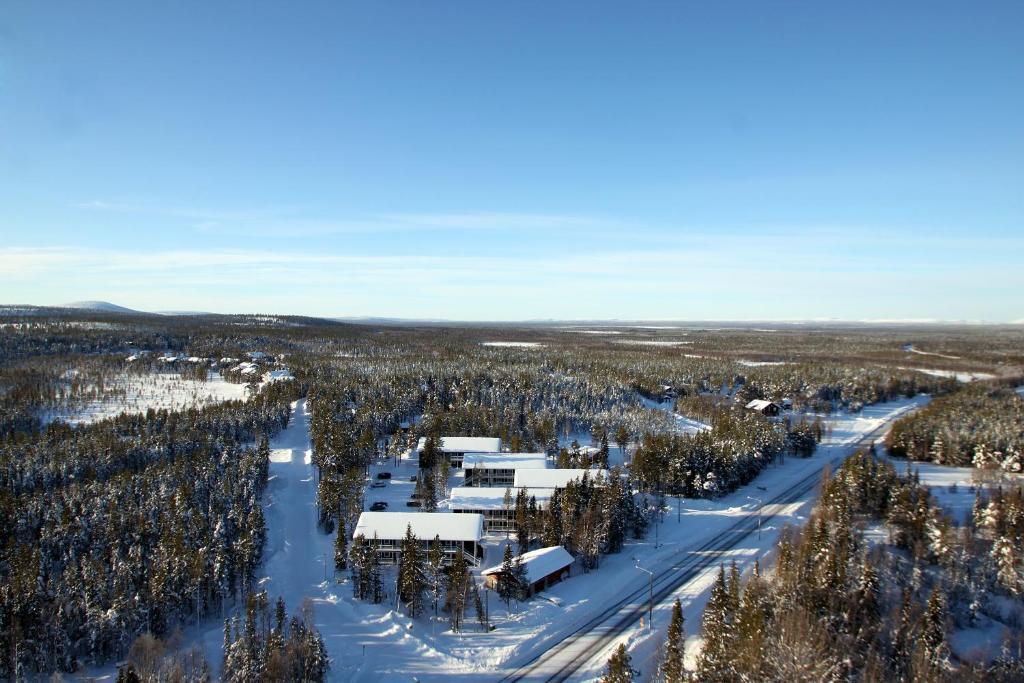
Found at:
[516, 160]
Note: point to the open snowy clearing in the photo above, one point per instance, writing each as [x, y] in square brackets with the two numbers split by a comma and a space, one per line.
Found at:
[651, 342]
[513, 344]
[136, 394]
[958, 375]
[684, 424]
[911, 349]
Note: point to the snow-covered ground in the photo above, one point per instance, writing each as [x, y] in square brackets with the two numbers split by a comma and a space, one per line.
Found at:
[132, 393]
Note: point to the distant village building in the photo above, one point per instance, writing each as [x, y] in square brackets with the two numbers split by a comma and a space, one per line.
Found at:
[490, 502]
[544, 567]
[556, 478]
[457, 533]
[454, 448]
[764, 407]
[499, 469]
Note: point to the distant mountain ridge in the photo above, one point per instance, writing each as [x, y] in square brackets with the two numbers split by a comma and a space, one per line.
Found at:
[105, 306]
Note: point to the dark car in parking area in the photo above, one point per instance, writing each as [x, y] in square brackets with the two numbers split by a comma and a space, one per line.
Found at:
[379, 506]
[414, 504]
[383, 475]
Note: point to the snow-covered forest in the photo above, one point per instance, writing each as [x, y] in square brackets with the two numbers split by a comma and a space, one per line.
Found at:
[878, 585]
[979, 425]
[146, 520]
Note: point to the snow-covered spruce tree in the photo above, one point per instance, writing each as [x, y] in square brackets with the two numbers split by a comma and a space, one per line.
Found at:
[257, 652]
[435, 572]
[341, 550]
[411, 572]
[715, 662]
[752, 619]
[457, 591]
[507, 588]
[359, 561]
[933, 630]
[618, 669]
[672, 668]
[1004, 560]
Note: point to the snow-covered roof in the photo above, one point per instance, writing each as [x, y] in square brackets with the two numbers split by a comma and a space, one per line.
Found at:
[425, 525]
[554, 479]
[279, 374]
[489, 497]
[758, 404]
[504, 461]
[540, 563]
[465, 444]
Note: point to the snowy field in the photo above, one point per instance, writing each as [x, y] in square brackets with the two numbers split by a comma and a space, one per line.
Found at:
[130, 393]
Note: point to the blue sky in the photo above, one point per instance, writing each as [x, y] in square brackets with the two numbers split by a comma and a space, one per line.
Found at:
[524, 160]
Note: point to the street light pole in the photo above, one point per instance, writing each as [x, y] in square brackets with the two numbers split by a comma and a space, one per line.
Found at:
[650, 606]
[760, 505]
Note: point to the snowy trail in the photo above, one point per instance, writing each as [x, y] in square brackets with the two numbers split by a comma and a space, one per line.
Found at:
[298, 558]
[294, 564]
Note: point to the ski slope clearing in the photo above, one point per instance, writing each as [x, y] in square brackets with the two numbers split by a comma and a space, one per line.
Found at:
[135, 394]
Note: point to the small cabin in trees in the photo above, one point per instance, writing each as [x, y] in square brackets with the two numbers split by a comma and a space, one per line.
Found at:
[457, 533]
[764, 407]
[557, 478]
[490, 502]
[499, 469]
[544, 567]
[454, 448]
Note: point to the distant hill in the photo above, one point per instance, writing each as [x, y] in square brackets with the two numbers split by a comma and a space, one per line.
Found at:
[105, 306]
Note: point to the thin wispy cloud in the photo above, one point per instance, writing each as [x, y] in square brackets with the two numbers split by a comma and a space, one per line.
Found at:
[293, 222]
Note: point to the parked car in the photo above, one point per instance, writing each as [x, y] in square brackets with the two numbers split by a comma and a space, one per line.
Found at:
[414, 478]
[383, 475]
[414, 504]
[378, 485]
[379, 506]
